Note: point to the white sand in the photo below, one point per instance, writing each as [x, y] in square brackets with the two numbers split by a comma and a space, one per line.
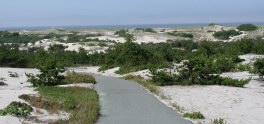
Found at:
[84, 85]
[250, 58]
[235, 105]
[17, 86]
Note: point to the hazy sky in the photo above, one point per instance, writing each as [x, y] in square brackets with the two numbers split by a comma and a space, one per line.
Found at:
[119, 12]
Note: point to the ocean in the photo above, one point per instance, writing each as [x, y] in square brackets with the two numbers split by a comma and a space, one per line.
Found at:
[124, 26]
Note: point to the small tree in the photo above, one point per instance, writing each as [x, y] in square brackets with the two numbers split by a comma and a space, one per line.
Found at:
[49, 75]
[259, 67]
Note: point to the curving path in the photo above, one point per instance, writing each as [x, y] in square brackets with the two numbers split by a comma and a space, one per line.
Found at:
[126, 102]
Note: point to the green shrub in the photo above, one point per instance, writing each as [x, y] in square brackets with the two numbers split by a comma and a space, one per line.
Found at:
[147, 30]
[49, 75]
[186, 35]
[259, 67]
[17, 109]
[234, 82]
[218, 121]
[194, 115]
[225, 35]
[243, 67]
[73, 77]
[247, 27]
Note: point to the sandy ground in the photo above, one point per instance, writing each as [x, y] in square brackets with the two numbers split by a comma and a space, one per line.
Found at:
[17, 86]
[235, 105]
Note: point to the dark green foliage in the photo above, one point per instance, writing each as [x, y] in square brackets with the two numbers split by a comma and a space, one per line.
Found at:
[199, 70]
[194, 115]
[17, 109]
[225, 35]
[181, 34]
[259, 67]
[49, 75]
[234, 82]
[147, 30]
[131, 57]
[7, 37]
[123, 33]
[247, 27]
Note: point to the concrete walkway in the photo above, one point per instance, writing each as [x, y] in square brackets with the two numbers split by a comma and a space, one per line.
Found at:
[126, 102]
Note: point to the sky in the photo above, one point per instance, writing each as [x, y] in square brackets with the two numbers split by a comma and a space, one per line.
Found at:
[18, 13]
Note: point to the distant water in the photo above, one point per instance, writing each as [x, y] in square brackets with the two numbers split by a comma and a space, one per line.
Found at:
[123, 26]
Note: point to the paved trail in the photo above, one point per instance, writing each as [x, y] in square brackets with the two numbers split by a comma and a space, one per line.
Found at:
[125, 102]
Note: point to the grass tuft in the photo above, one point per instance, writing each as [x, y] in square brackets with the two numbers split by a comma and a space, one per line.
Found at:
[147, 84]
[73, 77]
[82, 103]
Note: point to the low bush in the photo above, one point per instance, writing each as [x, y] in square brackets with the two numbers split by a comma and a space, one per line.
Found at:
[259, 67]
[181, 34]
[49, 75]
[194, 115]
[247, 27]
[234, 82]
[225, 35]
[17, 109]
[147, 30]
[73, 77]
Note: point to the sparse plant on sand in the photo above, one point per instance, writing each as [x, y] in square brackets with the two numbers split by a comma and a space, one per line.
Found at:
[218, 121]
[17, 109]
[194, 115]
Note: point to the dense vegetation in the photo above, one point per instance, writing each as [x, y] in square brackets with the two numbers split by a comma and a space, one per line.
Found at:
[247, 27]
[146, 30]
[181, 34]
[204, 60]
[225, 35]
[132, 57]
[123, 33]
[7, 37]
[259, 67]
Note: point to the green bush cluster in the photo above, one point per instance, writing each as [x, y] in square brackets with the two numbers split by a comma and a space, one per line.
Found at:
[146, 30]
[17, 109]
[259, 67]
[49, 75]
[199, 70]
[181, 34]
[8, 37]
[247, 27]
[123, 33]
[194, 115]
[225, 35]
